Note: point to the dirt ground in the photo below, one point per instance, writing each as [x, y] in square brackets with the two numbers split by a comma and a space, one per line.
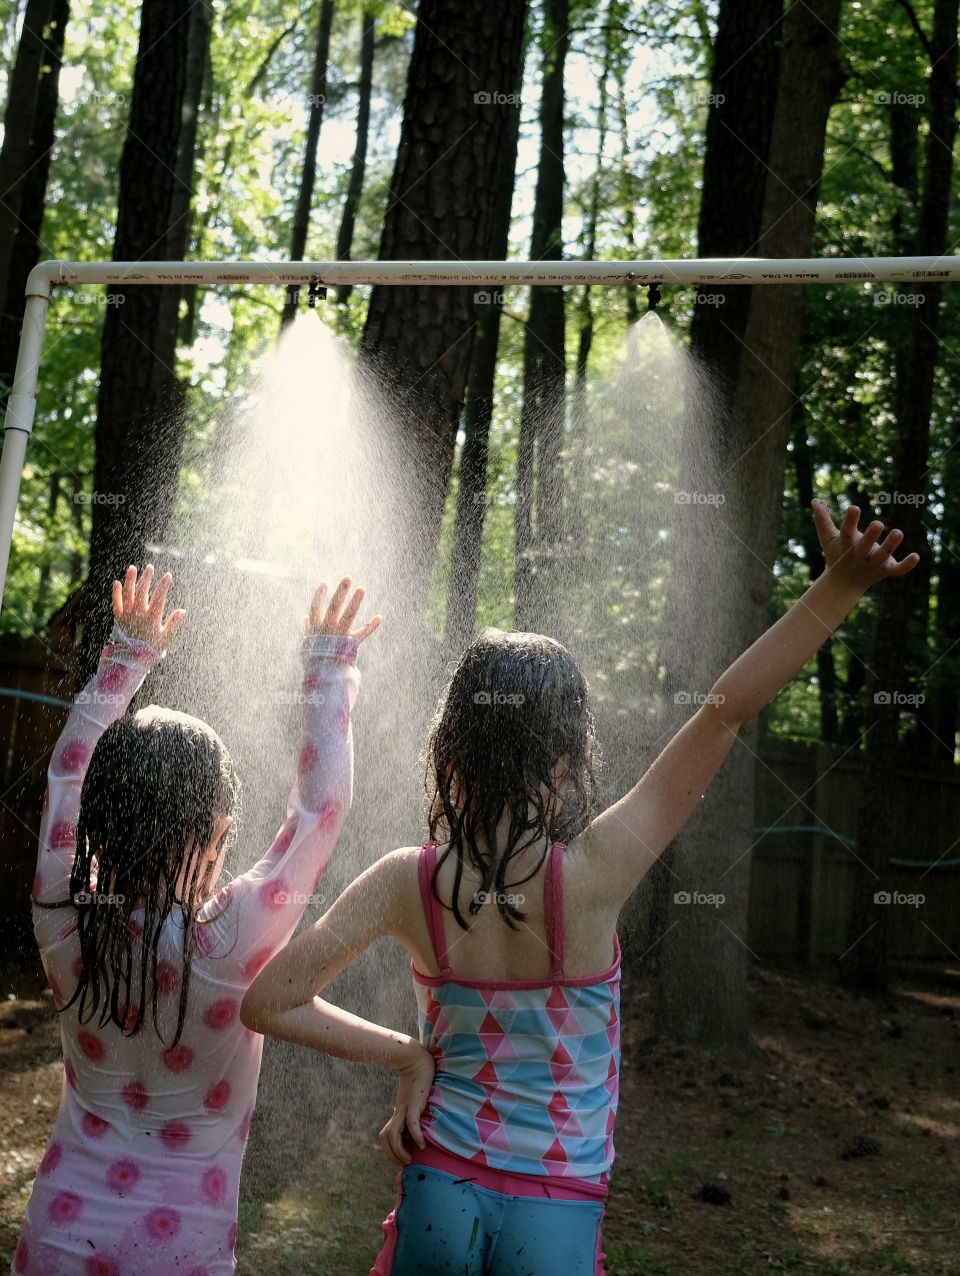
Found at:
[833, 1151]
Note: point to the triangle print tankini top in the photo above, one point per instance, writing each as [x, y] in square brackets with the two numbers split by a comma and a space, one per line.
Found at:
[527, 1071]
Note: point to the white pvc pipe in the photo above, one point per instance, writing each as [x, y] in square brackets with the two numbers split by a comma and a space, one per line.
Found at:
[18, 423]
[726, 270]
[48, 275]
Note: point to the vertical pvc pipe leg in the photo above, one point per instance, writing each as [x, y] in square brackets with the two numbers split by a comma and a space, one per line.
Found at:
[18, 423]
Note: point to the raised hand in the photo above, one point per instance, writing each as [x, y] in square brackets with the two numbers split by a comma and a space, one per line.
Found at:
[139, 615]
[338, 615]
[854, 556]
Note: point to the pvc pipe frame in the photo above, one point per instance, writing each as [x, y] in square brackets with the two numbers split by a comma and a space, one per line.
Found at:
[21, 404]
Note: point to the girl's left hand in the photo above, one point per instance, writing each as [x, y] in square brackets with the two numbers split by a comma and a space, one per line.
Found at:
[140, 616]
[855, 557]
[415, 1077]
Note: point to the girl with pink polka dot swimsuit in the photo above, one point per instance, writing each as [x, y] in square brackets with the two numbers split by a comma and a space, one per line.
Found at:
[142, 1171]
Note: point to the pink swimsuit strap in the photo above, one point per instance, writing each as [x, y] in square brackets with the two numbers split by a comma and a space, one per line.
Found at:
[552, 907]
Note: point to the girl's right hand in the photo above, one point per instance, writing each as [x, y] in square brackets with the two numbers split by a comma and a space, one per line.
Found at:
[334, 617]
[140, 616]
[414, 1079]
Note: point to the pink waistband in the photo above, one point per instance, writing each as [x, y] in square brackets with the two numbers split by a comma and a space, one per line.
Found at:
[502, 1181]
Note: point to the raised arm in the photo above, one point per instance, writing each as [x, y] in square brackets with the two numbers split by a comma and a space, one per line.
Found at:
[140, 638]
[629, 836]
[253, 916]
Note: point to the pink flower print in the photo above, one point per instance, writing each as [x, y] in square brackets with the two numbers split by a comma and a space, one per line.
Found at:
[123, 1176]
[134, 929]
[51, 1159]
[175, 1135]
[274, 894]
[68, 930]
[37, 886]
[178, 1058]
[91, 1046]
[309, 757]
[94, 1127]
[217, 1098]
[64, 1208]
[112, 680]
[21, 1259]
[214, 1184]
[245, 1126]
[62, 835]
[70, 1073]
[257, 962]
[328, 815]
[108, 651]
[283, 839]
[221, 1014]
[76, 966]
[74, 756]
[135, 1096]
[232, 1234]
[342, 720]
[102, 1265]
[168, 977]
[203, 940]
[162, 1224]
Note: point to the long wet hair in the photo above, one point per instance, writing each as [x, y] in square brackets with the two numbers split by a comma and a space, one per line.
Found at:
[516, 705]
[156, 783]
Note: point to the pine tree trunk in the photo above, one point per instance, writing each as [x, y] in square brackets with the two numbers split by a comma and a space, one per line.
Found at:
[32, 188]
[308, 171]
[539, 473]
[417, 339]
[901, 619]
[139, 432]
[743, 91]
[358, 167]
[702, 985]
[472, 489]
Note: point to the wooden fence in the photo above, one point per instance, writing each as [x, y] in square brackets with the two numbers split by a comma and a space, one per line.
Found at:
[801, 881]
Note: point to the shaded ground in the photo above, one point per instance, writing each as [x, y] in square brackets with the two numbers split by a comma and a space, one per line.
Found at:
[835, 1073]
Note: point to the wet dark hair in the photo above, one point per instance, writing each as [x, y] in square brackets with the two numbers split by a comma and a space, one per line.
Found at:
[516, 704]
[156, 783]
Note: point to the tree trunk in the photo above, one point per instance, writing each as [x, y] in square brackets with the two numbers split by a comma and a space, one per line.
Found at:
[902, 603]
[539, 473]
[417, 339]
[308, 172]
[472, 489]
[743, 92]
[358, 167]
[702, 986]
[24, 251]
[139, 432]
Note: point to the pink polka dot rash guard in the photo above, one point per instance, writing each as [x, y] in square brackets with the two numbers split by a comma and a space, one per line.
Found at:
[142, 1171]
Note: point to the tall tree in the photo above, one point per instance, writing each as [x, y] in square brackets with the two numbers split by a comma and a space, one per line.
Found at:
[139, 432]
[900, 629]
[538, 518]
[308, 170]
[743, 90]
[472, 487]
[359, 163]
[29, 121]
[702, 984]
[457, 118]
